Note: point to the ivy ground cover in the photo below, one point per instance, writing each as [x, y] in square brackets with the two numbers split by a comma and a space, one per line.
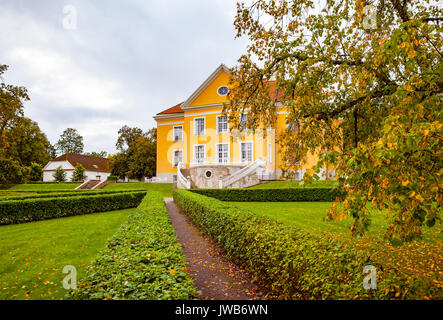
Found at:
[32, 255]
[419, 259]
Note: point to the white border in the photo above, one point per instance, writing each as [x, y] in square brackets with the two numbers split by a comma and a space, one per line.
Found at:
[239, 146]
[173, 133]
[194, 127]
[229, 153]
[216, 124]
[194, 159]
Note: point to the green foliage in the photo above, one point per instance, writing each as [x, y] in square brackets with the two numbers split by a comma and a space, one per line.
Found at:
[138, 153]
[20, 211]
[10, 172]
[272, 195]
[79, 173]
[61, 193]
[101, 154]
[112, 178]
[298, 264]
[59, 175]
[70, 142]
[164, 188]
[36, 172]
[33, 254]
[143, 260]
[362, 83]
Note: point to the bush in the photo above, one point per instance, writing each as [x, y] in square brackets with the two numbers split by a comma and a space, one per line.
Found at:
[142, 260]
[297, 264]
[36, 173]
[63, 193]
[275, 195]
[78, 175]
[59, 175]
[11, 172]
[112, 178]
[20, 211]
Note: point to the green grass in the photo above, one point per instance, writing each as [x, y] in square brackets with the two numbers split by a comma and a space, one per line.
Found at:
[44, 187]
[164, 188]
[295, 184]
[32, 255]
[418, 259]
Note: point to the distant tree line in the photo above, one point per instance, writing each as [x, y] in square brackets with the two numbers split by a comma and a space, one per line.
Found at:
[136, 158]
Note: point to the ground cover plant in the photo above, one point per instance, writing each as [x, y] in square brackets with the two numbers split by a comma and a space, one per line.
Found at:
[32, 255]
[164, 188]
[20, 211]
[44, 186]
[82, 192]
[143, 260]
[295, 184]
[419, 259]
[279, 195]
[299, 264]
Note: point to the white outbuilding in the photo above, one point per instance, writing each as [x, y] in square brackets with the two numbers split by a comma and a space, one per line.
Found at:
[96, 168]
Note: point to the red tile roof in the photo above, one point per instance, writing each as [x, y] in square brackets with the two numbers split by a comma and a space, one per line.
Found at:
[174, 109]
[89, 162]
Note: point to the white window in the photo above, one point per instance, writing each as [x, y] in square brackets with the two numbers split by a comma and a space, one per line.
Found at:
[178, 133]
[199, 153]
[178, 157]
[222, 152]
[269, 152]
[243, 120]
[246, 151]
[199, 126]
[222, 124]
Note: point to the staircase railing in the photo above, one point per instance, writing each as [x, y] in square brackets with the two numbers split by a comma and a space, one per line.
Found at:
[243, 172]
[181, 178]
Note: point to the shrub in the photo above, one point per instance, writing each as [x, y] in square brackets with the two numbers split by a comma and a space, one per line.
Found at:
[297, 264]
[142, 260]
[20, 211]
[275, 195]
[11, 172]
[78, 175]
[112, 178]
[59, 175]
[63, 193]
[36, 172]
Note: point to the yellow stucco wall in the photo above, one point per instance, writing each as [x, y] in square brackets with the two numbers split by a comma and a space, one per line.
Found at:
[212, 103]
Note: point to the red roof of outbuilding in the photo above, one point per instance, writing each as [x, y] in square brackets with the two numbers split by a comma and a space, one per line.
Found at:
[90, 163]
[174, 109]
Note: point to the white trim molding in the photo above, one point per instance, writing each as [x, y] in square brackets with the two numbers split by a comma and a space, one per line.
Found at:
[195, 128]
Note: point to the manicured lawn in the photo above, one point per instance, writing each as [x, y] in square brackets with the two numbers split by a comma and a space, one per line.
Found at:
[164, 188]
[418, 259]
[32, 255]
[295, 184]
[44, 187]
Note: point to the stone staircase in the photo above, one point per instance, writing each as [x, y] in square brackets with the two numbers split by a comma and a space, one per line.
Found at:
[103, 184]
[88, 184]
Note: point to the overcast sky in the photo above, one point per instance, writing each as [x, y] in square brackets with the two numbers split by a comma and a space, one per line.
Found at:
[119, 62]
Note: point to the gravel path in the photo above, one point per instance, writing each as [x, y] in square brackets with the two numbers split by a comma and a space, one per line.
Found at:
[215, 276]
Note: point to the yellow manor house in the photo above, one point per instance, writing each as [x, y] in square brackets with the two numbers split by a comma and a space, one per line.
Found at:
[196, 149]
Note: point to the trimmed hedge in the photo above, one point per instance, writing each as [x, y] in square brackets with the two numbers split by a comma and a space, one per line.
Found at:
[75, 193]
[297, 264]
[20, 211]
[143, 260]
[274, 195]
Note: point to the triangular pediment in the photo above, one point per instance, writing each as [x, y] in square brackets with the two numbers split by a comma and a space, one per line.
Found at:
[206, 94]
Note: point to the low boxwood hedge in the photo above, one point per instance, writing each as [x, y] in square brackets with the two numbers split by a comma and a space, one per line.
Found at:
[75, 193]
[297, 264]
[276, 195]
[20, 211]
[142, 260]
